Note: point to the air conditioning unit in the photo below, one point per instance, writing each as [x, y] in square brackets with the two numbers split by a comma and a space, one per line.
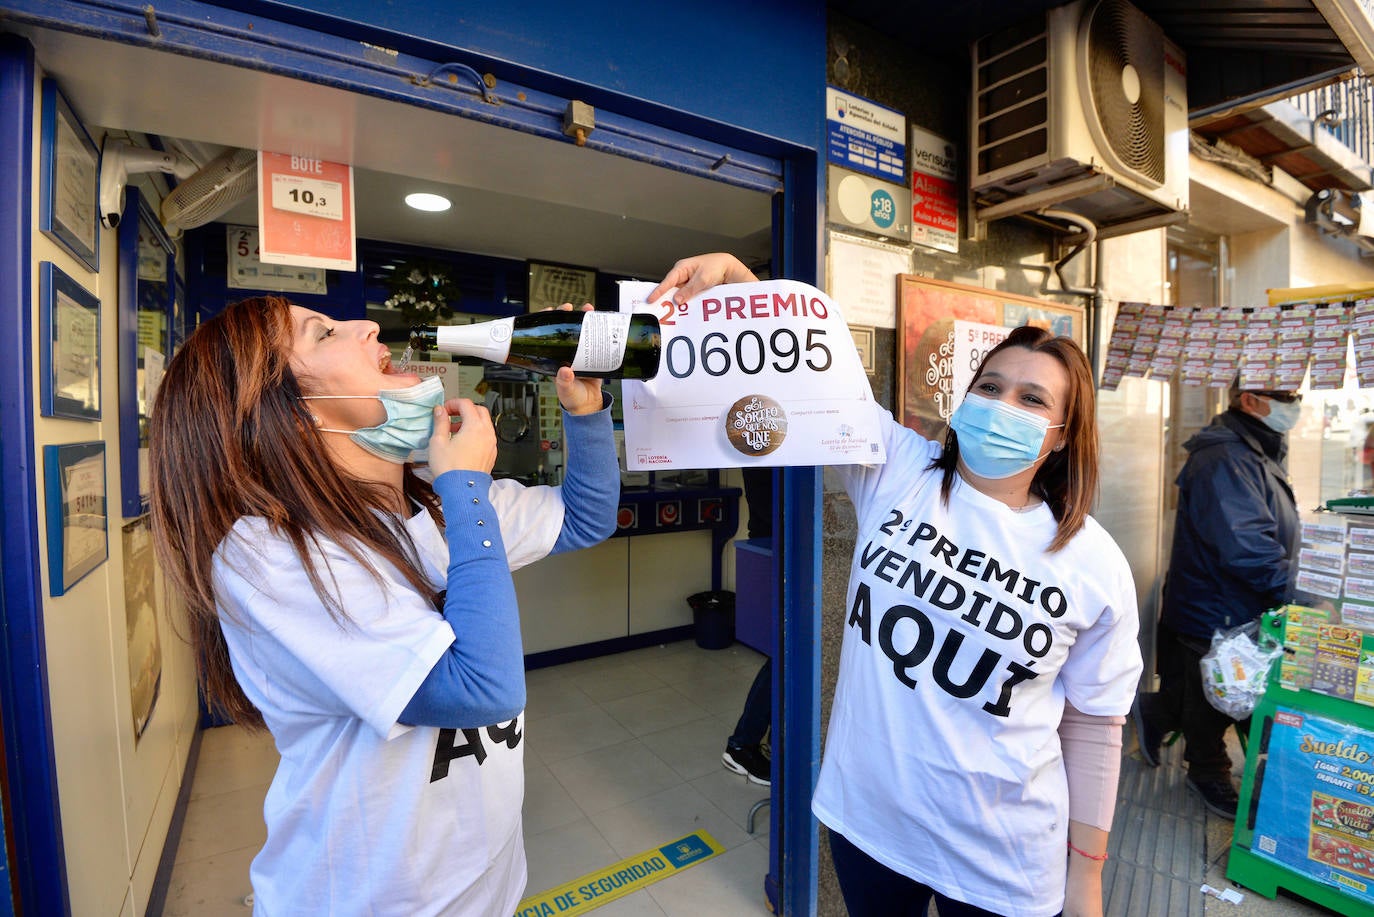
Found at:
[1083, 109]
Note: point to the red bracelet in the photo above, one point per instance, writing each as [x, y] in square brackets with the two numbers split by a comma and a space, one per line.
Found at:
[1099, 857]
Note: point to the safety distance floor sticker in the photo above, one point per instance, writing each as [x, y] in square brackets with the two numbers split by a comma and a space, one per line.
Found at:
[619, 879]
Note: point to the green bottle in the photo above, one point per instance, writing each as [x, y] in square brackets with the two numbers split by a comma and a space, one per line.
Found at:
[609, 345]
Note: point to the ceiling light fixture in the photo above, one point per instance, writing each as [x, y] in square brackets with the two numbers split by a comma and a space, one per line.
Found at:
[432, 203]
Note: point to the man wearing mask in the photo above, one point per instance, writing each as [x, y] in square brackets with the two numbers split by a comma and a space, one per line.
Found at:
[1235, 535]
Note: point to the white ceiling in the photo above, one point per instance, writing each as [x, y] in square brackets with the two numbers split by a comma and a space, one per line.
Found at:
[514, 195]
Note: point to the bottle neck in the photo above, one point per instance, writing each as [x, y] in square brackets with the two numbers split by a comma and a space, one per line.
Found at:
[487, 340]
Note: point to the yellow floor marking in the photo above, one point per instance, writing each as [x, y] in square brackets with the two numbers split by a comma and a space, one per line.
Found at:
[619, 879]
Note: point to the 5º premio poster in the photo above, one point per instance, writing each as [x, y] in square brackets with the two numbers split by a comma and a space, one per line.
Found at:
[1316, 809]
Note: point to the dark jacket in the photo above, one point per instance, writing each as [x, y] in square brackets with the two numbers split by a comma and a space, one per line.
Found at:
[1237, 528]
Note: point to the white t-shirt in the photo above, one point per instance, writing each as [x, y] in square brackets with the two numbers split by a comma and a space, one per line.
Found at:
[963, 639]
[364, 815]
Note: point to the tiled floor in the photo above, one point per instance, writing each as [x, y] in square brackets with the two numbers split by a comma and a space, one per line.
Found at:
[623, 755]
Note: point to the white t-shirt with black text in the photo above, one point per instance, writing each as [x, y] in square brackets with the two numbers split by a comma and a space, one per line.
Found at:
[963, 639]
[366, 816]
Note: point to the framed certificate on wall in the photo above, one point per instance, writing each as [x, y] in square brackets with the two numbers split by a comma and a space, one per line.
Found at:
[551, 285]
[74, 493]
[69, 188]
[70, 346]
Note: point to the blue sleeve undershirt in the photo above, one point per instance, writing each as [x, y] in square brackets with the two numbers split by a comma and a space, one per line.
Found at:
[480, 679]
[591, 488]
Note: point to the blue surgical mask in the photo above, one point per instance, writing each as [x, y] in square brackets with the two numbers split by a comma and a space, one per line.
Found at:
[409, 420]
[997, 440]
[1282, 417]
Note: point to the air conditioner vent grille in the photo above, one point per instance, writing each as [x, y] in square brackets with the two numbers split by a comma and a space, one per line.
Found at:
[998, 43]
[1019, 149]
[1125, 69]
[1012, 93]
[1014, 62]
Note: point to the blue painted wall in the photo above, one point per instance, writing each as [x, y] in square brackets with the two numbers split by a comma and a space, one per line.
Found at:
[757, 65]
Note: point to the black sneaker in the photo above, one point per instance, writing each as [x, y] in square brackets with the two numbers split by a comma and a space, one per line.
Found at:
[749, 761]
[1147, 737]
[1219, 796]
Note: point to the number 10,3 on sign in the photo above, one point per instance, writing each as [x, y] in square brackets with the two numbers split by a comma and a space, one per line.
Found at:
[311, 196]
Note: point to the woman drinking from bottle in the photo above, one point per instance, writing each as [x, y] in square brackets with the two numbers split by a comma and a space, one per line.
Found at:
[364, 617]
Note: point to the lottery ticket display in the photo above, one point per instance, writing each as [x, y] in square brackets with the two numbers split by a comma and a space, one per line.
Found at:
[1333, 653]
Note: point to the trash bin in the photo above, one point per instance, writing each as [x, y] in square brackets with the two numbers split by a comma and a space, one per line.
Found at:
[713, 616]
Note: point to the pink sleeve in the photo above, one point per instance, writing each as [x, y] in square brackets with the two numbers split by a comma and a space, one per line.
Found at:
[1091, 746]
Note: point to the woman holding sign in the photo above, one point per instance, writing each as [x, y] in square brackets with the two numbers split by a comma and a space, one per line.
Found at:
[989, 654]
[364, 617]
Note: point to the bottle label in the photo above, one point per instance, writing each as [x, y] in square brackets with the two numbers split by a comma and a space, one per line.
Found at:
[487, 340]
[601, 345]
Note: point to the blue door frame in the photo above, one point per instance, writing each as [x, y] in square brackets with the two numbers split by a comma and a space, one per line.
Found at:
[36, 827]
[673, 139]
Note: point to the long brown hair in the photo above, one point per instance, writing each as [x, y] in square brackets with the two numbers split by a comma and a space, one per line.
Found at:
[229, 437]
[1067, 481]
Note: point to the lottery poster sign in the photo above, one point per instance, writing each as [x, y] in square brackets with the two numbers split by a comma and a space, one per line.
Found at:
[305, 212]
[751, 374]
[1316, 810]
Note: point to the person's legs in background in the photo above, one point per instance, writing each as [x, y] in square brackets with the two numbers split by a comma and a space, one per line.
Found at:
[1181, 704]
[1158, 713]
[744, 752]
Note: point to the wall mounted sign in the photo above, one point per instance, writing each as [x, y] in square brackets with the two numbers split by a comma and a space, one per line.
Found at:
[864, 337]
[140, 613]
[934, 191]
[551, 285]
[247, 271]
[147, 296]
[70, 355]
[859, 275]
[305, 212]
[74, 494]
[69, 180]
[864, 136]
[870, 204]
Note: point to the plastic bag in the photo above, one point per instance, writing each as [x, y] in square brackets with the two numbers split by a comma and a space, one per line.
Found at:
[1235, 671]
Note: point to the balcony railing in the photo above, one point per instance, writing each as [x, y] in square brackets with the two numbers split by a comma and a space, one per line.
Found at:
[1344, 111]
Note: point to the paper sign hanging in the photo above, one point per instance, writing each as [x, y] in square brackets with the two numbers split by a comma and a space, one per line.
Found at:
[305, 212]
[752, 374]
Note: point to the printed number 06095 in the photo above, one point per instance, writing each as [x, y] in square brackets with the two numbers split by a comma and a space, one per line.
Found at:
[783, 351]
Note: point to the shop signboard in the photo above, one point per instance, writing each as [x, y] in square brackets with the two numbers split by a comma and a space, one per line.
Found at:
[934, 191]
[1316, 808]
[864, 136]
[867, 203]
[752, 374]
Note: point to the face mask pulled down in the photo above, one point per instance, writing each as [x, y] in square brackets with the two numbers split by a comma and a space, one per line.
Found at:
[997, 440]
[409, 420]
